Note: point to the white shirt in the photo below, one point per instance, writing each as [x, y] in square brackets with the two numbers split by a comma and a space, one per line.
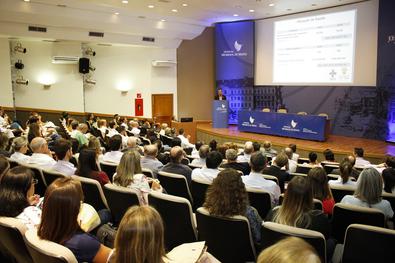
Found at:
[204, 174]
[8, 132]
[257, 181]
[113, 156]
[244, 158]
[339, 182]
[112, 132]
[64, 167]
[185, 142]
[384, 205]
[292, 165]
[199, 162]
[19, 157]
[295, 157]
[30, 216]
[135, 131]
[73, 133]
[361, 162]
[44, 161]
[162, 132]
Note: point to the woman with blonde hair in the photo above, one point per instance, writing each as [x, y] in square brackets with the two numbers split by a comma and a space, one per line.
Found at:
[368, 192]
[290, 249]
[297, 208]
[320, 189]
[20, 147]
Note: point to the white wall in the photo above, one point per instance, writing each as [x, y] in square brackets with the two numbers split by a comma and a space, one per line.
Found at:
[115, 66]
[5, 74]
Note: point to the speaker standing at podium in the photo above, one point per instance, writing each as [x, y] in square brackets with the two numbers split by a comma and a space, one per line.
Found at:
[219, 95]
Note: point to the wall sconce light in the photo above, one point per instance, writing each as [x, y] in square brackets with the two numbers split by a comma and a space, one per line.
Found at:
[46, 78]
[90, 52]
[21, 81]
[90, 81]
[124, 92]
[18, 48]
[123, 86]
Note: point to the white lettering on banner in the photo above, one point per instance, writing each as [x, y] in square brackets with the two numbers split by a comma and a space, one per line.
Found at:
[264, 126]
[309, 131]
[248, 124]
[288, 128]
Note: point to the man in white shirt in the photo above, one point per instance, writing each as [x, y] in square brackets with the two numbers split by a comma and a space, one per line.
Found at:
[163, 129]
[63, 152]
[149, 160]
[295, 156]
[255, 179]
[210, 172]
[292, 165]
[201, 161]
[114, 154]
[112, 131]
[359, 160]
[135, 128]
[41, 156]
[184, 140]
[248, 150]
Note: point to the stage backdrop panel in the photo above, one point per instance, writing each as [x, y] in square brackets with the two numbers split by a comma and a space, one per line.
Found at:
[235, 58]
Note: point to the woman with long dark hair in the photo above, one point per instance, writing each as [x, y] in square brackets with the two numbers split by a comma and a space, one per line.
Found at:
[87, 167]
[320, 189]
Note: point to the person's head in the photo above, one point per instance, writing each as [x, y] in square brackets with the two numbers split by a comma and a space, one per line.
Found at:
[257, 162]
[16, 186]
[248, 148]
[198, 144]
[345, 168]
[140, 236]
[292, 146]
[62, 202]
[101, 123]
[4, 166]
[176, 154]
[213, 145]
[203, 151]
[94, 144]
[175, 142]
[319, 183]
[388, 179]
[39, 145]
[20, 145]
[132, 142]
[267, 145]
[90, 117]
[351, 159]
[219, 91]
[256, 146]
[290, 249]
[227, 195]
[369, 186]
[116, 117]
[87, 162]
[390, 161]
[358, 152]
[288, 152]
[281, 160]
[74, 125]
[151, 150]
[222, 150]
[181, 131]
[164, 126]
[115, 143]
[62, 149]
[111, 124]
[329, 155]
[231, 155]
[128, 166]
[4, 141]
[298, 201]
[82, 127]
[213, 160]
[312, 157]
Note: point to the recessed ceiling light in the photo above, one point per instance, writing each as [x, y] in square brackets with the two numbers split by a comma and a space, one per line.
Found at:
[26, 0]
[125, 1]
[251, 10]
[174, 10]
[116, 13]
[184, 5]
[271, 4]
[151, 6]
[235, 15]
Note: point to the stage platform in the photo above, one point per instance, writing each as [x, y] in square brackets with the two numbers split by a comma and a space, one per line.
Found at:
[375, 150]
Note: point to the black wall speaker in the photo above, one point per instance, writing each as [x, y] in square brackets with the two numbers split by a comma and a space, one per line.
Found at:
[84, 65]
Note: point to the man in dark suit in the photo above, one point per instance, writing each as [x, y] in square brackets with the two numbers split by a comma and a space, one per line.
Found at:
[231, 157]
[275, 170]
[219, 95]
[175, 165]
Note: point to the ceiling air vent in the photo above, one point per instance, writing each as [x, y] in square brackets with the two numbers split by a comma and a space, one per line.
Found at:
[37, 29]
[96, 34]
[149, 39]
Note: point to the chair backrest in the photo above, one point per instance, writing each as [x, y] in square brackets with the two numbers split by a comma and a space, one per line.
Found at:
[390, 198]
[178, 218]
[147, 172]
[271, 178]
[330, 167]
[266, 110]
[324, 115]
[47, 251]
[339, 191]
[333, 176]
[188, 150]
[228, 238]
[185, 161]
[41, 185]
[303, 160]
[51, 176]
[302, 113]
[166, 139]
[11, 239]
[109, 169]
[345, 215]
[198, 189]
[119, 199]
[93, 193]
[273, 232]
[12, 163]
[282, 111]
[260, 200]
[368, 244]
[175, 184]
[303, 169]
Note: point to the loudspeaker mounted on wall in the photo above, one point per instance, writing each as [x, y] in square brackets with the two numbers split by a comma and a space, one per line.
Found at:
[84, 65]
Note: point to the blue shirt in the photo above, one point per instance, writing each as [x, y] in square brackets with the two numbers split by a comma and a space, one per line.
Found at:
[84, 246]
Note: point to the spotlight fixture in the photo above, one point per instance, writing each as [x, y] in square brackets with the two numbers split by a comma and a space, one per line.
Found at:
[21, 81]
[90, 81]
[90, 52]
[19, 65]
[18, 48]
[91, 68]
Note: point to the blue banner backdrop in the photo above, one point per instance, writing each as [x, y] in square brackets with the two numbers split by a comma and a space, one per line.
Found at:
[235, 58]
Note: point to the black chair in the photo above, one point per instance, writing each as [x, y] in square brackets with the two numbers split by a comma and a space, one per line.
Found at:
[145, 141]
[339, 191]
[185, 161]
[330, 167]
[365, 244]
[12, 163]
[51, 176]
[93, 193]
[260, 200]
[303, 169]
[302, 160]
[177, 216]
[147, 172]
[390, 198]
[188, 150]
[175, 184]
[41, 185]
[119, 199]
[109, 169]
[11, 239]
[345, 215]
[333, 177]
[228, 238]
[271, 178]
[198, 189]
[166, 140]
[273, 232]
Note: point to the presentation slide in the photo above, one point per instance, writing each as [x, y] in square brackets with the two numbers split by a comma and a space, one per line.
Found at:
[315, 49]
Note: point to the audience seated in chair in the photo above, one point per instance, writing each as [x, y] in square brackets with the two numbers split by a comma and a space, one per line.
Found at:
[184, 139]
[4, 166]
[231, 162]
[329, 156]
[79, 133]
[87, 167]
[312, 160]
[149, 159]
[20, 148]
[276, 170]
[227, 196]
[114, 154]
[320, 189]
[203, 152]
[354, 173]
[132, 145]
[389, 175]
[267, 149]
[248, 150]
[292, 164]
[295, 156]
[359, 160]
[255, 180]
[41, 156]
[175, 166]
[210, 170]
[368, 193]
[64, 153]
[345, 178]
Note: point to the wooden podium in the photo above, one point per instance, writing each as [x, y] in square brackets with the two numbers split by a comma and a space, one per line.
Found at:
[189, 128]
